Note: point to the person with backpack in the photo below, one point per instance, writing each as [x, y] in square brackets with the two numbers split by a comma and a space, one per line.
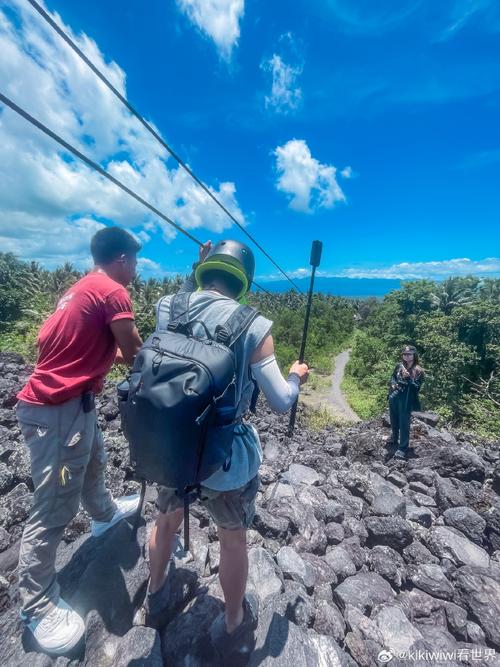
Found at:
[91, 327]
[213, 313]
[404, 388]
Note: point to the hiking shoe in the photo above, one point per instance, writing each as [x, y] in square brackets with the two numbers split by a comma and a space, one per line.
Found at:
[59, 630]
[156, 608]
[125, 507]
[400, 454]
[241, 641]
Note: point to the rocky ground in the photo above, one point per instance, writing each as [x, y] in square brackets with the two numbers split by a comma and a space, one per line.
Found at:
[357, 559]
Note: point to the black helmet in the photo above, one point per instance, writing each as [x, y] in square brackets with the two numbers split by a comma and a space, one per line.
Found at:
[232, 257]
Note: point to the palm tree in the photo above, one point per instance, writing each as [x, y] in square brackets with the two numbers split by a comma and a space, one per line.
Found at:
[453, 292]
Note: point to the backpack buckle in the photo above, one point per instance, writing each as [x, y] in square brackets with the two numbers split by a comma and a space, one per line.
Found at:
[173, 327]
[222, 335]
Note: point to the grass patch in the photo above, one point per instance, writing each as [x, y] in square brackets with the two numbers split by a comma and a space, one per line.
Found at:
[318, 419]
[364, 403]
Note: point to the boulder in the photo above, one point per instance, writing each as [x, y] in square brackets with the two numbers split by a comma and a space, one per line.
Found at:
[334, 511]
[420, 515]
[467, 522]
[417, 553]
[263, 576]
[430, 418]
[388, 563]
[334, 533]
[329, 620]
[449, 493]
[398, 634]
[185, 638]
[314, 498]
[294, 567]
[392, 531]
[480, 595]
[281, 643]
[455, 462]
[269, 525]
[340, 561]
[443, 542]
[363, 590]
[430, 578]
[361, 625]
[299, 474]
[389, 504]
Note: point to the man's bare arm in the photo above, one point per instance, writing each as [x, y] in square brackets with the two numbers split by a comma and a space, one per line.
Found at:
[128, 340]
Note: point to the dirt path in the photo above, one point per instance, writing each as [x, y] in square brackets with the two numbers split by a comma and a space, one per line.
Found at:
[327, 395]
[337, 400]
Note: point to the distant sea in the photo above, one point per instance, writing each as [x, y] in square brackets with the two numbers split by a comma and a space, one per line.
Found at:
[349, 287]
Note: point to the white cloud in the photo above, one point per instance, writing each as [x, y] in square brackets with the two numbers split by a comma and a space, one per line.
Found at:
[285, 67]
[347, 172]
[432, 270]
[285, 95]
[219, 19]
[146, 264]
[310, 184]
[437, 270]
[50, 202]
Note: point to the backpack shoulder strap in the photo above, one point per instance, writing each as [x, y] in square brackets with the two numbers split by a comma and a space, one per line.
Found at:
[236, 325]
[179, 308]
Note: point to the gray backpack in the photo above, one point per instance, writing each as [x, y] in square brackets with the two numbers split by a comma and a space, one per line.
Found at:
[179, 412]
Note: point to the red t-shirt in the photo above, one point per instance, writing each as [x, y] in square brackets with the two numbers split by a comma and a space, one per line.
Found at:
[76, 347]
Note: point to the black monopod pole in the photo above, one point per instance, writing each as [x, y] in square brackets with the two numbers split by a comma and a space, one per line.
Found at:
[317, 247]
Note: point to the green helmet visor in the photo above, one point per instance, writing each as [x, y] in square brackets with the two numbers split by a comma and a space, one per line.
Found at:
[214, 264]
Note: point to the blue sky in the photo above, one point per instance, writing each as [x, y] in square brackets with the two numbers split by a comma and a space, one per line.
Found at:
[371, 126]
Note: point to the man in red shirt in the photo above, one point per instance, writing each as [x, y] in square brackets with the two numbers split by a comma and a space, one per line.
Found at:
[92, 326]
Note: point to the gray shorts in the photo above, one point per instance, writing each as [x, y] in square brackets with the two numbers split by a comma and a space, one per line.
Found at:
[232, 510]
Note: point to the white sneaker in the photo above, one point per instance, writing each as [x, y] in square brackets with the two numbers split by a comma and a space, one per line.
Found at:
[125, 507]
[59, 630]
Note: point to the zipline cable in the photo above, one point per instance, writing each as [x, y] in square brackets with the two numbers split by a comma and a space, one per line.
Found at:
[94, 165]
[152, 131]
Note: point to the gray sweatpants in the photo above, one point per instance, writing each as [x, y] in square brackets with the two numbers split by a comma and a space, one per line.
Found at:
[67, 465]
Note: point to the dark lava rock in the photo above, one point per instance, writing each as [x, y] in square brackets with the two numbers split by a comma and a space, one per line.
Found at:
[430, 578]
[388, 504]
[338, 532]
[388, 563]
[452, 462]
[416, 553]
[443, 542]
[392, 531]
[467, 522]
[363, 590]
[269, 525]
[480, 595]
[334, 533]
[430, 418]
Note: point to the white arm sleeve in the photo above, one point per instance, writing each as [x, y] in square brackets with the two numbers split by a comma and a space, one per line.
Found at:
[280, 393]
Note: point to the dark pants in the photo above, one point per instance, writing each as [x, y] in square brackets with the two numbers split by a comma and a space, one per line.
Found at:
[400, 421]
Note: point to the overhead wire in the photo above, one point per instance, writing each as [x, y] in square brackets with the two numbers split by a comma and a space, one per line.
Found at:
[154, 133]
[97, 167]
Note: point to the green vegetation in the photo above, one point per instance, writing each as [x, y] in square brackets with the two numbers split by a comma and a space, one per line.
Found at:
[331, 325]
[30, 293]
[455, 325]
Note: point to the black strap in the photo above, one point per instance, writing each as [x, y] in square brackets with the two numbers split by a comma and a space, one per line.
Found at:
[236, 325]
[186, 522]
[139, 511]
